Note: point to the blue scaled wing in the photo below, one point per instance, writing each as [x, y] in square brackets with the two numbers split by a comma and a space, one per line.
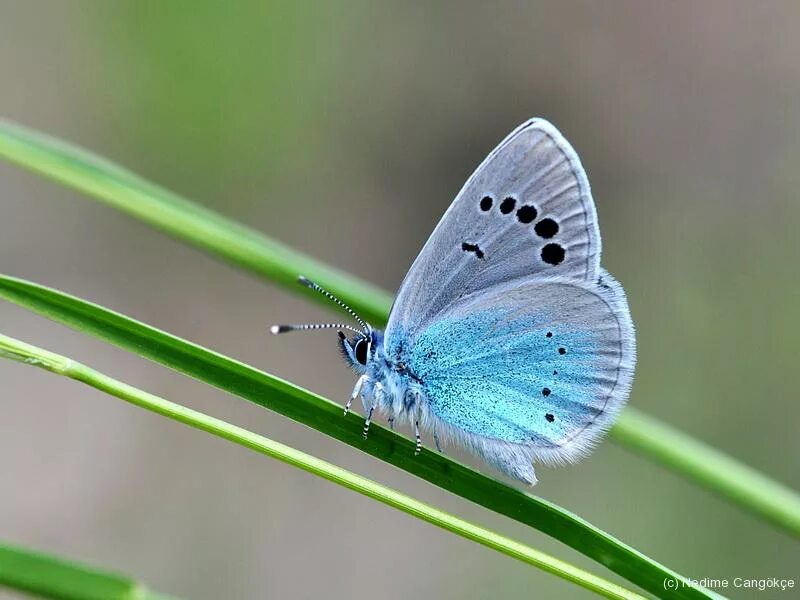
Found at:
[527, 370]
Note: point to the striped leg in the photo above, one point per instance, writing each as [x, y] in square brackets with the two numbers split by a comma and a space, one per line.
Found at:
[367, 422]
[377, 397]
[418, 447]
[354, 395]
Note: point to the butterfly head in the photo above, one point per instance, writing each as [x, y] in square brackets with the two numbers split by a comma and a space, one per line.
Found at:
[359, 350]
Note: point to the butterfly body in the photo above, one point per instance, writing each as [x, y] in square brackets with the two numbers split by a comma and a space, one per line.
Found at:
[506, 336]
[386, 383]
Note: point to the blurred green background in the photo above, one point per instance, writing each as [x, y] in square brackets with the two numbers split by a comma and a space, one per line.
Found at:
[345, 130]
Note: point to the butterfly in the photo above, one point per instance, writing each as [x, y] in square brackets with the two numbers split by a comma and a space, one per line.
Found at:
[506, 337]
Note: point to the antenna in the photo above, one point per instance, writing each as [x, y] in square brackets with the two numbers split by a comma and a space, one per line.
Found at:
[317, 288]
[276, 329]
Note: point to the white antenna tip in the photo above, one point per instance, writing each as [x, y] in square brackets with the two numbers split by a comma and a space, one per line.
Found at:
[275, 329]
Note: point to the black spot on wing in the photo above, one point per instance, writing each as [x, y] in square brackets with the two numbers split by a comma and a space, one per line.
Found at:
[526, 213]
[553, 254]
[546, 228]
[474, 248]
[507, 205]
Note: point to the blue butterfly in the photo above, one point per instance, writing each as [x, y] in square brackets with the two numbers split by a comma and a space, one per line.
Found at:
[506, 337]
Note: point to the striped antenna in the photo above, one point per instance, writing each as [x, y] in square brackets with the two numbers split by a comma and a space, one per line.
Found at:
[276, 329]
[310, 284]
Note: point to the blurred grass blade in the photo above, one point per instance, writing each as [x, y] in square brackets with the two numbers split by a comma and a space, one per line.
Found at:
[20, 351]
[236, 243]
[325, 416]
[50, 577]
[717, 471]
[251, 250]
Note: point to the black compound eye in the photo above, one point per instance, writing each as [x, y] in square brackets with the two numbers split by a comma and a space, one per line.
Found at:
[361, 350]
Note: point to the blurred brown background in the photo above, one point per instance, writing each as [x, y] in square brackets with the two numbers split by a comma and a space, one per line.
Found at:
[345, 130]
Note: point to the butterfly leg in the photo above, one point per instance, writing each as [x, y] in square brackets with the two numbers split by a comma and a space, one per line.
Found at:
[436, 441]
[367, 422]
[391, 423]
[354, 395]
[376, 398]
[418, 447]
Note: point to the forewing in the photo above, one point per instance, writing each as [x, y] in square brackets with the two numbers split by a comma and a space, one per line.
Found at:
[546, 365]
[527, 211]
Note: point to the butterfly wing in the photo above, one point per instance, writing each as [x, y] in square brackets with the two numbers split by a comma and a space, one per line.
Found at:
[527, 210]
[528, 370]
[522, 344]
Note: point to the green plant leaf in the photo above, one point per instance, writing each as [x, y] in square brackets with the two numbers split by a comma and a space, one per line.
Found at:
[49, 576]
[325, 416]
[717, 471]
[165, 210]
[255, 252]
[61, 365]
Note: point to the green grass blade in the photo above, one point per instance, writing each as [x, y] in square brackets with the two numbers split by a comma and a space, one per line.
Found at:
[165, 210]
[325, 416]
[20, 351]
[253, 251]
[719, 472]
[47, 576]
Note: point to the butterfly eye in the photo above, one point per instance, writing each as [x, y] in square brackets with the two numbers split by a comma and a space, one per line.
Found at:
[361, 349]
